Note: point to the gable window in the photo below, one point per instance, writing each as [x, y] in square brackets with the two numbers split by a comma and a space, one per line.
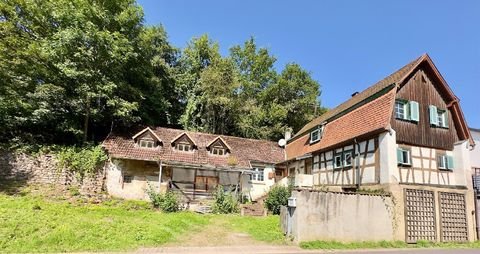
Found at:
[445, 162]
[184, 147]
[316, 134]
[403, 157]
[217, 150]
[438, 117]
[147, 143]
[407, 110]
[257, 175]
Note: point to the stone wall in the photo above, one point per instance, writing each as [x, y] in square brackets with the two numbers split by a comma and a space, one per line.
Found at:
[23, 169]
[340, 217]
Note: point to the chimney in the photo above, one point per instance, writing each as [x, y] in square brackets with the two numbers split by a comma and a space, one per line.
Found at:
[288, 134]
[355, 93]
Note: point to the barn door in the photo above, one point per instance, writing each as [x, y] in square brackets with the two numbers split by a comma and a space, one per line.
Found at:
[453, 217]
[420, 215]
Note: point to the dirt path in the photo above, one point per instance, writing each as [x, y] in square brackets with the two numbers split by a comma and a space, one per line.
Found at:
[217, 233]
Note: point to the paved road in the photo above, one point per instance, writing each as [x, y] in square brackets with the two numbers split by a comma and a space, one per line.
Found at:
[267, 249]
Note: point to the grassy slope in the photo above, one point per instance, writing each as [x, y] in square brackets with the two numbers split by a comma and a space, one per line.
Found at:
[35, 223]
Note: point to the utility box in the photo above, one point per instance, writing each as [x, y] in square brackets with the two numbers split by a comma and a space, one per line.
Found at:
[292, 202]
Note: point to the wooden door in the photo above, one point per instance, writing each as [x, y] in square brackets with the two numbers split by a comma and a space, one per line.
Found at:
[212, 183]
[206, 183]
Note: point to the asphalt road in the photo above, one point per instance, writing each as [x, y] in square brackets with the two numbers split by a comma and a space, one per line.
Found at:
[266, 249]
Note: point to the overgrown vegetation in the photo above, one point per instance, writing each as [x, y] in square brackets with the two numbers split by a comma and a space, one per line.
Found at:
[277, 197]
[167, 202]
[72, 70]
[224, 202]
[81, 160]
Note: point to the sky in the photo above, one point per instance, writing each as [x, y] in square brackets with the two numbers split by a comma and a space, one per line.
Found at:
[347, 46]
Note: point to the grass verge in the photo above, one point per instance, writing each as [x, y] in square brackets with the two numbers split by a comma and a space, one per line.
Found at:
[334, 245]
[264, 229]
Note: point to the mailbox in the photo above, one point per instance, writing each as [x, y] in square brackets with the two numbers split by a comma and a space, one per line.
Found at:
[292, 202]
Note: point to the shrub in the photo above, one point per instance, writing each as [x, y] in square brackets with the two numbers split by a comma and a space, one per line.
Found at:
[167, 202]
[224, 202]
[277, 197]
[82, 161]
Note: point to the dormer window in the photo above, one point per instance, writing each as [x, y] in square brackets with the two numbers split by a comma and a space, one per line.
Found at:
[218, 150]
[184, 147]
[146, 142]
[316, 134]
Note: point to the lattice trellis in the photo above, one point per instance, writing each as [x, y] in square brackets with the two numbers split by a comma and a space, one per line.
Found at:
[420, 215]
[453, 217]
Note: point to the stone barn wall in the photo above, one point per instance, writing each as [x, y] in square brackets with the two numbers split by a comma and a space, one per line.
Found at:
[340, 217]
[22, 169]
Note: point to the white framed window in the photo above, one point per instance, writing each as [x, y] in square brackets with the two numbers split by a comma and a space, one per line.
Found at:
[438, 117]
[444, 162]
[337, 161]
[258, 174]
[184, 147]
[146, 143]
[314, 136]
[347, 159]
[403, 157]
[407, 110]
[218, 151]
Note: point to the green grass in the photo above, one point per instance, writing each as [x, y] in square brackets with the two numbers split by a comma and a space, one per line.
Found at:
[39, 219]
[33, 224]
[265, 229]
[333, 245]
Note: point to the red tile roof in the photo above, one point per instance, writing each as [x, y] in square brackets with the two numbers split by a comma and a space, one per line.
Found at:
[242, 150]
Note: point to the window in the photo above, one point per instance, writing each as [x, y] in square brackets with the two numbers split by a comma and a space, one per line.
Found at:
[438, 117]
[257, 174]
[445, 162]
[403, 156]
[315, 136]
[127, 179]
[148, 143]
[347, 159]
[218, 151]
[407, 110]
[184, 147]
[337, 163]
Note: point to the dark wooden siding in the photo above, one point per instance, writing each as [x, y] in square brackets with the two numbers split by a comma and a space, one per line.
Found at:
[420, 88]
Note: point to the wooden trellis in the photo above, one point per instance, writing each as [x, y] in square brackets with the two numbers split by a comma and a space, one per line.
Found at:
[453, 217]
[420, 215]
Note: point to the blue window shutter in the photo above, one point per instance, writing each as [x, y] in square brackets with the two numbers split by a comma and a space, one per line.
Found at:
[450, 162]
[414, 112]
[399, 156]
[433, 115]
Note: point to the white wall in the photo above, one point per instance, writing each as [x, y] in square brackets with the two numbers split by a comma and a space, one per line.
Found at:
[475, 153]
[256, 189]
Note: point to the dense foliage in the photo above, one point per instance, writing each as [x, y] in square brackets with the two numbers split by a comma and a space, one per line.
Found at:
[82, 161]
[277, 197]
[224, 202]
[167, 202]
[71, 71]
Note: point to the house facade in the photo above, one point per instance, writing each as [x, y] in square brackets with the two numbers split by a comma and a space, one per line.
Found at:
[190, 163]
[405, 135]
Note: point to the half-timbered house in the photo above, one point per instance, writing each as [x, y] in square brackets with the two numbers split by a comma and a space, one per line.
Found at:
[191, 163]
[405, 135]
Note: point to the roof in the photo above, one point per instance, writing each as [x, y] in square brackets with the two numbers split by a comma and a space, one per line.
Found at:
[347, 121]
[242, 149]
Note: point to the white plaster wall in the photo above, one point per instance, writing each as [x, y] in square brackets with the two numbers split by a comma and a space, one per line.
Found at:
[388, 158]
[475, 153]
[257, 189]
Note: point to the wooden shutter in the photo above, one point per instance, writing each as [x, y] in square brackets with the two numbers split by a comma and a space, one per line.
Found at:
[446, 118]
[449, 162]
[414, 112]
[433, 115]
[399, 156]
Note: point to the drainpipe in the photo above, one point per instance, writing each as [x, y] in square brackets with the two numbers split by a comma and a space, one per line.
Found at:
[160, 166]
[357, 162]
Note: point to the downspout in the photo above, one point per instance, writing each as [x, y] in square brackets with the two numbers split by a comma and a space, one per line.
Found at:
[357, 162]
[160, 166]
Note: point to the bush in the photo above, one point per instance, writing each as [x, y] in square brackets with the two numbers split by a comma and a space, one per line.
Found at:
[277, 197]
[81, 161]
[167, 202]
[224, 202]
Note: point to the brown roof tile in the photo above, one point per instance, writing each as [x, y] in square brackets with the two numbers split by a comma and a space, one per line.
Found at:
[242, 149]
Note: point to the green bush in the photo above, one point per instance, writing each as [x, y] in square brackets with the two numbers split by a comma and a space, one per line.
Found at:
[277, 197]
[224, 202]
[167, 202]
[82, 161]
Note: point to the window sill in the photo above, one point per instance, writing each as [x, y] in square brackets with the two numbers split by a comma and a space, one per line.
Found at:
[439, 127]
[405, 165]
[407, 120]
[257, 182]
[445, 169]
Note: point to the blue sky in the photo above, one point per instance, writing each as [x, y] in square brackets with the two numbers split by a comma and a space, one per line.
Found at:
[346, 45]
